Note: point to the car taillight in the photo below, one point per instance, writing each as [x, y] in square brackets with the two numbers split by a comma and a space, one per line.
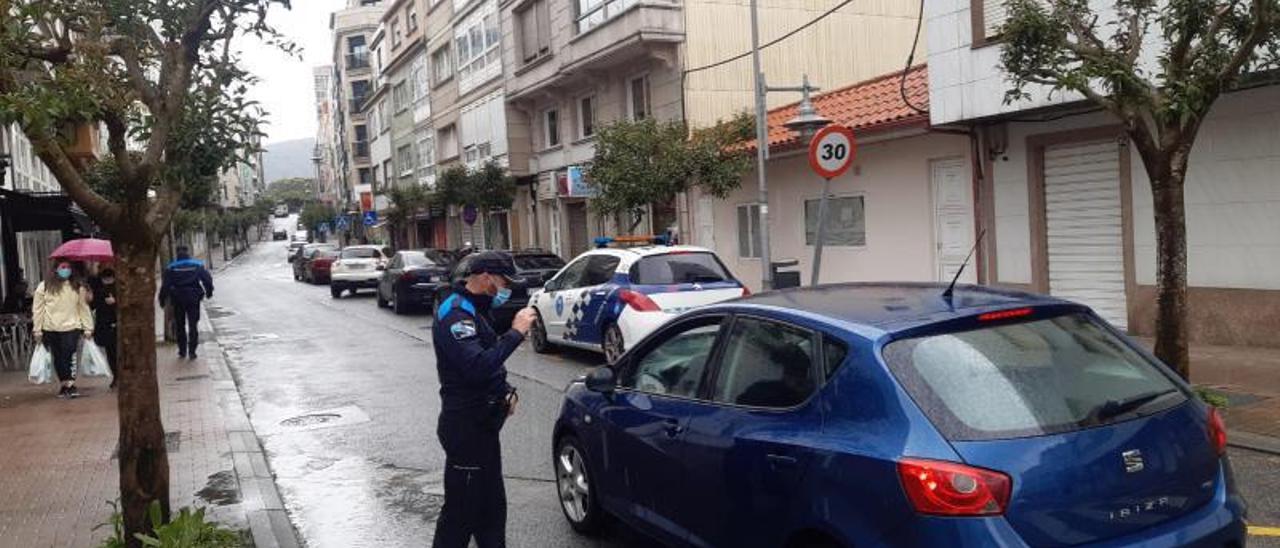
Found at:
[951, 489]
[408, 276]
[746, 292]
[638, 301]
[1005, 314]
[1217, 431]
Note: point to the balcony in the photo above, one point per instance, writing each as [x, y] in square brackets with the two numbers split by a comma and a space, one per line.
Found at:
[360, 150]
[358, 60]
[357, 104]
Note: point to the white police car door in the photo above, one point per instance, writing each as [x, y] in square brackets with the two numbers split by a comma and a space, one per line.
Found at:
[560, 294]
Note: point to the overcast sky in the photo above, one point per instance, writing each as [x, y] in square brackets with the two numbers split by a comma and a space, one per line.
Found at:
[286, 88]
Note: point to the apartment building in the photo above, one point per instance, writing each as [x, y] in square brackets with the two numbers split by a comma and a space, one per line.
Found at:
[240, 186]
[1067, 206]
[324, 156]
[26, 185]
[379, 126]
[573, 66]
[353, 29]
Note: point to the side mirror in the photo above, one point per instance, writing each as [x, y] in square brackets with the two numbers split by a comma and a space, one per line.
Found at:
[602, 380]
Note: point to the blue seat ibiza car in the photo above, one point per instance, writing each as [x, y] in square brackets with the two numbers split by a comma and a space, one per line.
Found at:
[890, 415]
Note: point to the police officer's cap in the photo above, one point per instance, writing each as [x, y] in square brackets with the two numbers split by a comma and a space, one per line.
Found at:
[493, 262]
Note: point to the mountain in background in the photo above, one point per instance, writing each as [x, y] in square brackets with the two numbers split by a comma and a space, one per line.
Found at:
[287, 159]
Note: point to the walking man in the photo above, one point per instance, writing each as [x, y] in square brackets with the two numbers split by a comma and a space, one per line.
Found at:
[476, 401]
[186, 282]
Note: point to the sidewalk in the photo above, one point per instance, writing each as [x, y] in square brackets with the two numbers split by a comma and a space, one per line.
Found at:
[58, 469]
[1250, 379]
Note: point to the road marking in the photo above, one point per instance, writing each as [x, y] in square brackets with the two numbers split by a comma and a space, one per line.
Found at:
[1264, 531]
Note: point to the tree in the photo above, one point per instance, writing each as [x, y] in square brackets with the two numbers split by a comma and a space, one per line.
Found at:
[161, 77]
[1206, 47]
[638, 163]
[405, 201]
[295, 192]
[315, 214]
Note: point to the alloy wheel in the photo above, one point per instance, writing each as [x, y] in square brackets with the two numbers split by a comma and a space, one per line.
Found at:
[571, 478]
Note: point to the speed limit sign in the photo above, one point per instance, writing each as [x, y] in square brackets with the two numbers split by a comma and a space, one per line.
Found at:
[831, 151]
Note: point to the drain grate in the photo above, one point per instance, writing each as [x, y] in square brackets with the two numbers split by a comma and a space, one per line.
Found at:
[310, 419]
[191, 377]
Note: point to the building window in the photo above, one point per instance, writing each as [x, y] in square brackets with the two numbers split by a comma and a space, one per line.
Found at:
[381, 115]
[411, 17]
[357, 53]
[476, 43]
[421, 82]
[534, 22]
[401, 97]
[587, 116]
[405, 162]
[749, 231]
[483, 129]
[426, 155]
[395, 33]
[638, 98]
[551, 128]
[441, 67]
[846, 221]
[359, 92]
[448, 141]
[593, 13]
[366, 176]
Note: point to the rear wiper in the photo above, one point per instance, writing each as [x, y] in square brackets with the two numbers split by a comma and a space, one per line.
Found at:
[1114, 408]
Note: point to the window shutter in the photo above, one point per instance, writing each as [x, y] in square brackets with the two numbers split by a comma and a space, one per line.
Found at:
[543, 11]
[993, 15]
[529, 34]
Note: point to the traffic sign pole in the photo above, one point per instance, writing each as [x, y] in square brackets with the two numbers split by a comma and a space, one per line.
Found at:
[830, 155]
[822, 231]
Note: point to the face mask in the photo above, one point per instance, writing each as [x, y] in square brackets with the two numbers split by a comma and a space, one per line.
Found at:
[109, 281]
[64, 273]
[503, 295]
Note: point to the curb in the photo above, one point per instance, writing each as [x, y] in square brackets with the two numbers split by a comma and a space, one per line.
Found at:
[264, 509]
[1253, 442]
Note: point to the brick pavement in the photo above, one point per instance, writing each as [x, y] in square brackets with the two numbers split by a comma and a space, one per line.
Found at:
[57, 469]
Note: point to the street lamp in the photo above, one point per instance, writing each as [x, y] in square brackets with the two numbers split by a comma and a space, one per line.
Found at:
[807, 121]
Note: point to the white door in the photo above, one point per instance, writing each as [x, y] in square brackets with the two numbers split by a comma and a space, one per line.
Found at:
[1085, 233]
[952, 219]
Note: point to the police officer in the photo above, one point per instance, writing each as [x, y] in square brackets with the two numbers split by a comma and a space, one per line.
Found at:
[475, 401]
[186, 282]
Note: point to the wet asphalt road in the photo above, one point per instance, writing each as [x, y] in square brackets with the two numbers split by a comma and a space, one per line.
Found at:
[343, 396]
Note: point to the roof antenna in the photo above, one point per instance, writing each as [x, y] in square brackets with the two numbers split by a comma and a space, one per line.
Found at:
[951, 288]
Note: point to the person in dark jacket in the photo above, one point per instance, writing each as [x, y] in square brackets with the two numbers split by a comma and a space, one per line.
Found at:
[104, 316]
[186, 282]
[475, 401]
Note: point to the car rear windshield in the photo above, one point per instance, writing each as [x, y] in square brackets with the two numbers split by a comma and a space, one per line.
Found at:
[1030, 378]
[423, 258]
[359, 253]
[538, 262]
[678, 268]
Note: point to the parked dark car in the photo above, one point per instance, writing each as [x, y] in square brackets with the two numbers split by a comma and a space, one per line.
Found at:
[503, 315]
[279, 234]
[303, 256]
[412, 279]
[536, 266]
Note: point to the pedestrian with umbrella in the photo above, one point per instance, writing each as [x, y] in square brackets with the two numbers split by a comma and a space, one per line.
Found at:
[60, 308]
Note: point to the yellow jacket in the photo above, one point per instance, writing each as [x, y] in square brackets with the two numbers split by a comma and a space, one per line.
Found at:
[66, 310]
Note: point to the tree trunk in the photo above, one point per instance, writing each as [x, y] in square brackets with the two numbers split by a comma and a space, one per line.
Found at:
[1171, 269]
[144, 460]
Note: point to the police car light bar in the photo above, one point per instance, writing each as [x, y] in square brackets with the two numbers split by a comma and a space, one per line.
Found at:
[606, 241]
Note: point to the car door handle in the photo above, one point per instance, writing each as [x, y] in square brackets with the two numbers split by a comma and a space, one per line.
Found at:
[780, 461]
[672, 427]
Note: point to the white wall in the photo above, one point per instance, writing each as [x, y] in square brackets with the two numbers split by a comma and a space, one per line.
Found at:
[1232, 198]
[892, 176]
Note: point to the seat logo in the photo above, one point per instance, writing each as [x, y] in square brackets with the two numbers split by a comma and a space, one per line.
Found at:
[1132, 461]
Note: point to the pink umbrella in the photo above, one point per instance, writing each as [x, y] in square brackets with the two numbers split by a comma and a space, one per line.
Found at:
[84, 249]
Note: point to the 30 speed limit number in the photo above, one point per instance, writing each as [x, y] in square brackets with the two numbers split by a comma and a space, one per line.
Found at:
[831, 151]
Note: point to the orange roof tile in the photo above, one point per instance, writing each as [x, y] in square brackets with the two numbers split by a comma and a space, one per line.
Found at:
[873, 105]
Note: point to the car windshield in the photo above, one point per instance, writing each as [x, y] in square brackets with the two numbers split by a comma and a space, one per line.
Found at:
[1030, 378]
[678, 268]
[423, 258]
[538, 262]
[359, 253]
[327, 254]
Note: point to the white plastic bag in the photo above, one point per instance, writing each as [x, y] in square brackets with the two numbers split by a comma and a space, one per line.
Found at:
[40, 371]
[93, 361]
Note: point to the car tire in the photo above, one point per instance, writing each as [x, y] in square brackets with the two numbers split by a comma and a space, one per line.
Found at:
[576, 487]
[382, 303]
[335, 291]
[397, 304]
[538, 336]
[613, 344]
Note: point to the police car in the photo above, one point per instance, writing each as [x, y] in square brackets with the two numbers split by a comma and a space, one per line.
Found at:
[609, 298]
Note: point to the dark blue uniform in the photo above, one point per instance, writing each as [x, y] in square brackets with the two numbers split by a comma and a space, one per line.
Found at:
[186, 282]
[469, 359]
